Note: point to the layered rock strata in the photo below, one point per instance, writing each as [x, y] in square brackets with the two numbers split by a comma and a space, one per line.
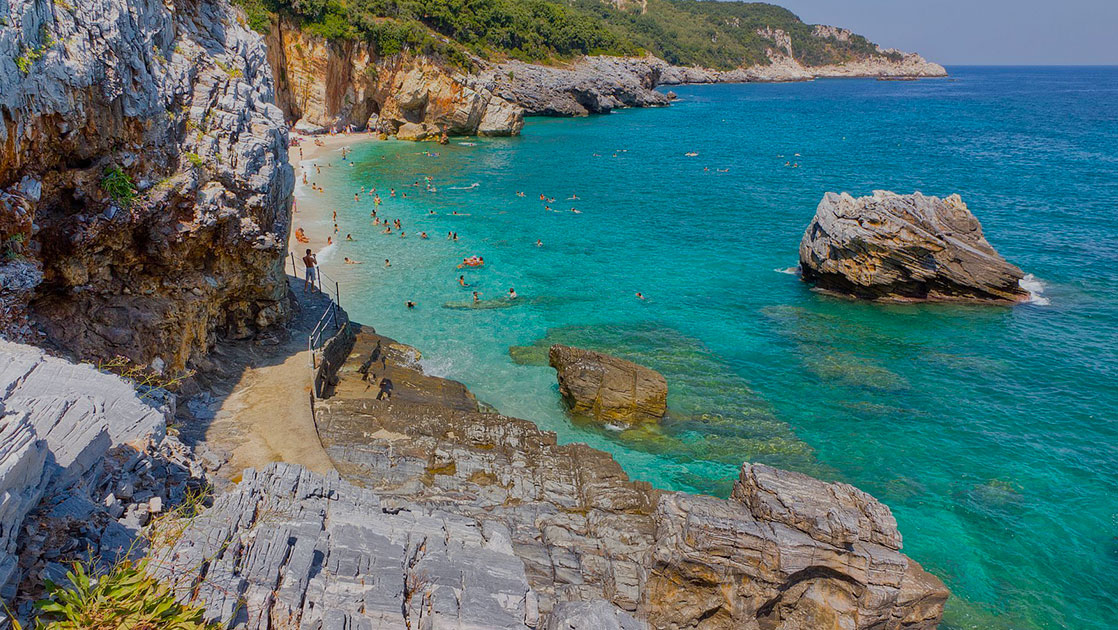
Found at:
[611, 390]
[85, 462]
[328, 85]
[143, 174]
[785, 551]
[904, 247]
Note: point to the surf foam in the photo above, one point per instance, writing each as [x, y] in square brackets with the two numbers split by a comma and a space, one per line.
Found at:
[1035, 287]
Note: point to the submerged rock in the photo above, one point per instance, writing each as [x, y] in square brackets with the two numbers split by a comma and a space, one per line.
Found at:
[612, 390]
[904, 247]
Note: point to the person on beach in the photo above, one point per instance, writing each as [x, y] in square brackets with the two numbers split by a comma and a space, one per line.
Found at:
[310, 261]
[512, 294]
[385, 392]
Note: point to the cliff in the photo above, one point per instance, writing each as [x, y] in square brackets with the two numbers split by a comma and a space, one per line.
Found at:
[324, 84]
[144, 184]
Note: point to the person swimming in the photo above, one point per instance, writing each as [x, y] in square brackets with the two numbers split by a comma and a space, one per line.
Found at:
[349, 237]
[476, 298]
[410, 304]
[512, 293]
[422, 235]
[387, 264]
[539, 243]
[640, 296]
[462, 281]
[350, 261]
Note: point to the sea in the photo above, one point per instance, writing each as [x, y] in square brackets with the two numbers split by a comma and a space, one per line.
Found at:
[990, 431]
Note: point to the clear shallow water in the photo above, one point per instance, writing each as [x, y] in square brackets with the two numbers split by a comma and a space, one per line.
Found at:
[989, 431]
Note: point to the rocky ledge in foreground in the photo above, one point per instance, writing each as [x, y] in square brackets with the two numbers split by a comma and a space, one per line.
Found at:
[608, 389]
[905, 248]
[785, 551]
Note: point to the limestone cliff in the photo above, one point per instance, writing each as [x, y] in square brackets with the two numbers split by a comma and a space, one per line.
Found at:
[325, 84]
[144, 184]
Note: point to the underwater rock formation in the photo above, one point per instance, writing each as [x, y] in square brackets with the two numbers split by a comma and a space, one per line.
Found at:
[611, 390]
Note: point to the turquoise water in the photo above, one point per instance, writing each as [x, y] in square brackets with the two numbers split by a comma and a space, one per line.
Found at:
[989, 431]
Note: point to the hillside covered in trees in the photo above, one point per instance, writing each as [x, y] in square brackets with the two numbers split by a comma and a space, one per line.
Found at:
[708, 33]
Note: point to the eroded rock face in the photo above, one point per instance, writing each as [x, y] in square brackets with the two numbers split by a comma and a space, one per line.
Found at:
[295, 549]
[904, 247]
[609, 389]
[84, 462]
[335, 85]
[173, 101]
[785, 551]
[591, 85]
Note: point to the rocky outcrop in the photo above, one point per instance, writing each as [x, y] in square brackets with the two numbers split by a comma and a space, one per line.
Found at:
[294, 549]
[143, 170]
[338, 84]
[784, 551]
[84, 462]
[904, 247]
[591, 85]
[610, 390]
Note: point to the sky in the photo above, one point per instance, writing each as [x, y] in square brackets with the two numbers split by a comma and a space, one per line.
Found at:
[979, 32]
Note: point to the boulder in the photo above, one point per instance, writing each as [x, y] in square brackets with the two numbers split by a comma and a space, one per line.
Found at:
[609, 389]
[413, 131]
[904, 247]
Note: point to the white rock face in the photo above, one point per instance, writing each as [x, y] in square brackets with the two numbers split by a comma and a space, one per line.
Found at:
[59, 419]
[178, 96]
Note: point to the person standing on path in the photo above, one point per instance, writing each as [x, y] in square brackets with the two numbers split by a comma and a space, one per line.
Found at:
[310, 261]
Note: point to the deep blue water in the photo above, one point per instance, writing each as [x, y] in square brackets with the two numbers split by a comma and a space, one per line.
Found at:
[990, 431]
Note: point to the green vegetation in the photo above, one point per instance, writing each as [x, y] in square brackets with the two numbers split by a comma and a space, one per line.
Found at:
[119, 186]
[685, 32]
[125, 597]
[33, 54]
[194, 159]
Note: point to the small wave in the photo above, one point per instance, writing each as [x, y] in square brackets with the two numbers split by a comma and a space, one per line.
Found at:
[326, 253]
[1035, 287]
[792, 271]
[470, 187]
[440, 367]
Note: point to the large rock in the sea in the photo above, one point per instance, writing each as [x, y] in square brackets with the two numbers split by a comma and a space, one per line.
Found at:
[612, 390]
[143, 166]
[904, 247]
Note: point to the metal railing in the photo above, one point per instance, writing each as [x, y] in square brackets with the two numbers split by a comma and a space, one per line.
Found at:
[328, 321]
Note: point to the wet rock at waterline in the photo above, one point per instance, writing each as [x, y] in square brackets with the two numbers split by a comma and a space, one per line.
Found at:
[904, 247]
[612, 390]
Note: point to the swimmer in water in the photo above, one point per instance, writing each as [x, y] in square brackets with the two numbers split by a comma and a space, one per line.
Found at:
[355, 197]
[640, 296]
[410, 304]
[462, 281]
[329, 240]
[476, 299]
[512, 293]
[349, 237]
[539, 243]
[422, 235]
[387, 264]
[350, 261]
